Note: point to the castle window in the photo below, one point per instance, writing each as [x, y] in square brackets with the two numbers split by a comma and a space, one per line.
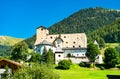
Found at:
[41, 29]
[51, 37]
[74, 42]
[66, 42]
[77, 54]
[79, 46]
[73, 46]
[58, 45]
[66, 47]
[59, 55]
[64, 36]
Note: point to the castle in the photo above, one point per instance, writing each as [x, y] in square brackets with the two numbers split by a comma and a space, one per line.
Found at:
[62, 44]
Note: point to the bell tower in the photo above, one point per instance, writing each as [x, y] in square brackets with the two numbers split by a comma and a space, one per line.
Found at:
[41, 34]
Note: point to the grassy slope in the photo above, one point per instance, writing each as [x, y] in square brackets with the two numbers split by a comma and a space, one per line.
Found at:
[77, 72]
[8, 41]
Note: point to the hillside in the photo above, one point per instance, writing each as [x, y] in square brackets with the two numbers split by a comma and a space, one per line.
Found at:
[6, 42]
[109, 33]
[9, 41]
[85, 20]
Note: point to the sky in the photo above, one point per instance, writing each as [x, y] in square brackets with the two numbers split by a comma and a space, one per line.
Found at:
[20, 18]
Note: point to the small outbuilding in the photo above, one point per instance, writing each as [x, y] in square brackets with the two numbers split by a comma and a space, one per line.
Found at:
[11, 64]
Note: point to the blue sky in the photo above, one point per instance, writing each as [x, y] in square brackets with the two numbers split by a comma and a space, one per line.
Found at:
[20, 18]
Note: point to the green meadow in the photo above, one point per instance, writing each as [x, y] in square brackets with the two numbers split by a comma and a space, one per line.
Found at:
[77, 72]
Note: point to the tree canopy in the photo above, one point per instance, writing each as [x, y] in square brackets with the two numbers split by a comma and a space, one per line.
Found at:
[19, 51]
[47, 56]
[111, 57]
[37, 71]
[92, 52]
[50, 57]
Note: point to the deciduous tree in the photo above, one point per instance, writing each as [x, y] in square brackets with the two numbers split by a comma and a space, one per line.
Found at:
[92, 52]
[19, 51]
[111, 57]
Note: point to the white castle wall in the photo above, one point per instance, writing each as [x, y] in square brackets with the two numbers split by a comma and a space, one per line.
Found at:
[76, 53]
[39, 48]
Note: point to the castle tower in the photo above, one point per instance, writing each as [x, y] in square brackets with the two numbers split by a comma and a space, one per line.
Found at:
[41, 34]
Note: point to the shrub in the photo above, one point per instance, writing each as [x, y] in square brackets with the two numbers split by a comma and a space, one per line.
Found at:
[118, 66]
[82, 64]
[64, 64]
[70, 62]
[99, 65]
[35, 72]
[102, 68]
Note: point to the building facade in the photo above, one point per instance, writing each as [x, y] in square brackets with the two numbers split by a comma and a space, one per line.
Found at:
[62, 44]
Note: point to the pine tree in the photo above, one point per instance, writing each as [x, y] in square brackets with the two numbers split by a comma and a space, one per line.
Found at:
[44, 55]
[50, 57]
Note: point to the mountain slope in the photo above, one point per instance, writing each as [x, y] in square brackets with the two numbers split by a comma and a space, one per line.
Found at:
[85, 20]
[109, 33]
[5, 44]
[9, 41]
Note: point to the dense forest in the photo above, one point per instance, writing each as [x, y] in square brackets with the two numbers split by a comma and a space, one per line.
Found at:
[4, 50]
[109, 33]
[90, 21]
[85, 20]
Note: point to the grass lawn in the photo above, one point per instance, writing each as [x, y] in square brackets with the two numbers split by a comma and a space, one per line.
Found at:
[76, 72]
[112, 45]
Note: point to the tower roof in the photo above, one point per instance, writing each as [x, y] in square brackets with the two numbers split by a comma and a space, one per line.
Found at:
[41, 27]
